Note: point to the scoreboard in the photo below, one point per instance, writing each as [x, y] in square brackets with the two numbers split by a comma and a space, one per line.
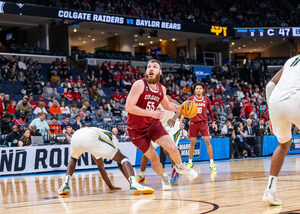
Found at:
[268, 32]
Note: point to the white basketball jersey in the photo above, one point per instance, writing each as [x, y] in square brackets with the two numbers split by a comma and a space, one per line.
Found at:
[289, 82]
[168, 115]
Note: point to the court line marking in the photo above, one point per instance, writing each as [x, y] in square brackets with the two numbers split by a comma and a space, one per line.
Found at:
[214, 205]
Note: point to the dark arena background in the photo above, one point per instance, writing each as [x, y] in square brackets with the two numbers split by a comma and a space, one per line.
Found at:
[76, 61]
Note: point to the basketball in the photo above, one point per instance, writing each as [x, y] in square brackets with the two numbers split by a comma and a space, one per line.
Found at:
[189, 109]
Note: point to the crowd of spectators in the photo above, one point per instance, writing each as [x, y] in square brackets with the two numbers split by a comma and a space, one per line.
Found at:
[231, 12]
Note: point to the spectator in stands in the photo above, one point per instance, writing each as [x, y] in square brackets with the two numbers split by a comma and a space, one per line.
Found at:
[88, 118]
[41, 124]
[64, 109]
[78, 124]
[24, 108]
[11, 108]
[100, 91]
[261, 128]
[34, 131]
[76, 94]
[21, 64]
[116, 96]
[99, 117]
[54, 127]
[54, 77]
[74, 112]
[55, 94]
[40, 108]
[126, 83]
[247, 109]
[116, 112]
[240, 94]
[5, 71]
[50, 103]
[6, 100]
[69, 94]
[115, 132]
[12, 76]
[107, 118]
[25, 140]
[45, 94]
[83, 112]
[120, 130]
[12, 138]
[49, 89]
[3, 49]
[21, 76]
[187, 89]
[65, 123]
[218, 100]
[55, 108]
[88, 106]
[69, 132]
[94, 95]
[5, 122]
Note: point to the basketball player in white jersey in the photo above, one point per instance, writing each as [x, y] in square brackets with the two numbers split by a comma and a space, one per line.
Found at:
[283, 97]
[101, 144]
[171, 123]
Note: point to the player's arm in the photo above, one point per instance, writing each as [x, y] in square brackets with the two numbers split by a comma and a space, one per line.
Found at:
[166, 104]
[271, 85]
[132, 99]
[211, 115]
[171, 122]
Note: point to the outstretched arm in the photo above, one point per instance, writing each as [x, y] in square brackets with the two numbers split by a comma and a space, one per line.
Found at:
[100, 165]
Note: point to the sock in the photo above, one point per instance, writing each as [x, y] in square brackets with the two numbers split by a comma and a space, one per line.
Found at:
[165, 174]
[67, 179]
[190, 160]
[132, 180]
[142, 173]
[272, 182]
[211, 160]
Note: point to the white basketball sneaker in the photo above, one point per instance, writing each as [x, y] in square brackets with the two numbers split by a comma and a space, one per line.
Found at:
[270, 197]
[138, 189]
[189, 172]
[64, 189]
[165, 182]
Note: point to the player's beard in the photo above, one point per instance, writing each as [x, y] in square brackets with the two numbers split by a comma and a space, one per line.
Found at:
[152, 80]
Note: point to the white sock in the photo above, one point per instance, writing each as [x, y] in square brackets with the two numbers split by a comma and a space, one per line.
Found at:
[142, 173]
[165, 174]
[272, 182]
[132, 180]
[211, 160]
[190, 160]
[67, 179]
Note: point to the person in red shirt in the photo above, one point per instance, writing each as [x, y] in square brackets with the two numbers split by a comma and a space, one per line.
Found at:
[69, 94]
[125, 95]
[76, 94]
[247, 109]
[11, 107]
[116, 95]
[32, 103]
[199, 124]
[218, 101]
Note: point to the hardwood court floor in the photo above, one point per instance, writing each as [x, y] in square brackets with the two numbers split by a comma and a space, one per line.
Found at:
[237, 188]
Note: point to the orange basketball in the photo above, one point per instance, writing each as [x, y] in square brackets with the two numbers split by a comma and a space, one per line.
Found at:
[189, 109]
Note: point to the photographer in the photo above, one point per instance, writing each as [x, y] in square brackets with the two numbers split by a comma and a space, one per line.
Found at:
[239, 138]
[228, 131]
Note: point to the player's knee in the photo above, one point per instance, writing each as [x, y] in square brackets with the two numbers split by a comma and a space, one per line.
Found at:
[124, 160]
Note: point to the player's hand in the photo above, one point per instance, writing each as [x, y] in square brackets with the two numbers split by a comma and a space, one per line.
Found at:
[158, 114]
[215, 127]
[171, 122]
[114, 189]
[270, 126]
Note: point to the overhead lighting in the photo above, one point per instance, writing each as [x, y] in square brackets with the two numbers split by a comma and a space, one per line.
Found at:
[151, 42]
[160, 40]
[232, 43]
[173, 39]
[239, 48]
[244, 46]
[135, 40]
[79, 38]
[93, 39]
[75, 30]
[116, 34]
[149, 37]
[84, 42]
[102, 32]
[89, 36]
[135, 35]
[271, 42]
